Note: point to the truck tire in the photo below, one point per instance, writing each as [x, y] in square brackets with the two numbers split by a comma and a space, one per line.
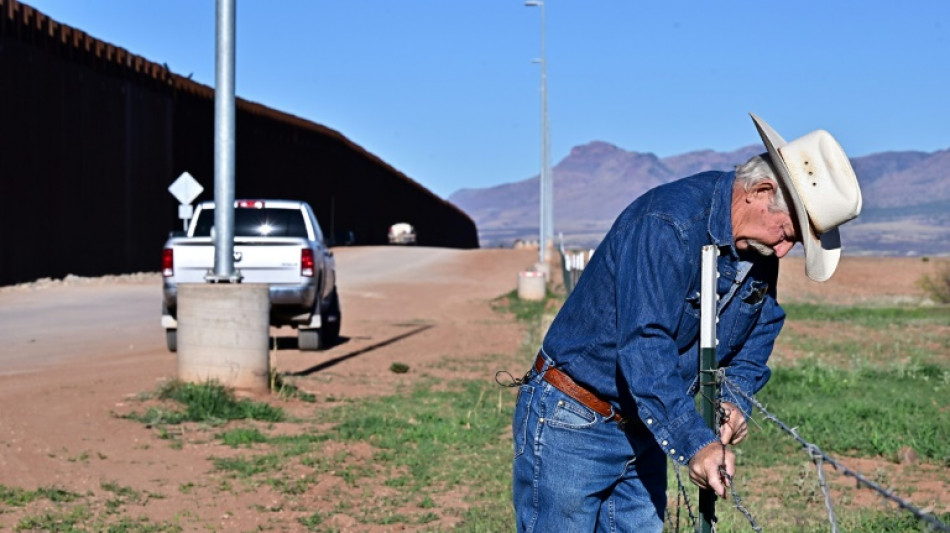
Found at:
[308, 339]
[171, 339]
[332, 319]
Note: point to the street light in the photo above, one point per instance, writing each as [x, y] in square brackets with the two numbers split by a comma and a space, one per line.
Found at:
[546, 189]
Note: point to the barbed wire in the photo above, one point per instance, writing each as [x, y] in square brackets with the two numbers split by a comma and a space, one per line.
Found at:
[738, 505]
[721, 417]
[819, 464]
[819, 457]
[685, 496]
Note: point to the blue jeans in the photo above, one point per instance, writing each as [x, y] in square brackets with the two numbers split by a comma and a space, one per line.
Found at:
[575, 471]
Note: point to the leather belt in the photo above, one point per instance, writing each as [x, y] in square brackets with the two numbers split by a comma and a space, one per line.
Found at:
[565, 384]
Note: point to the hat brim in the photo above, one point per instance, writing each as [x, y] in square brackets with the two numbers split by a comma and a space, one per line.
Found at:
[822, 253]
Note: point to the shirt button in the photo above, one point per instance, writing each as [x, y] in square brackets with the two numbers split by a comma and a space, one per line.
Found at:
[665, 443]
[649, 420]
[672, 452]
[682, 459]
[560, 403]
[540, 420]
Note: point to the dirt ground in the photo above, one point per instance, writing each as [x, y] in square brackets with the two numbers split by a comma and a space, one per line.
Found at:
[860, 280]
[58, 428]
[420, 307]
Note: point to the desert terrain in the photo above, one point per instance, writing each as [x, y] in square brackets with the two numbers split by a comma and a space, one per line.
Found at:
[76, 353]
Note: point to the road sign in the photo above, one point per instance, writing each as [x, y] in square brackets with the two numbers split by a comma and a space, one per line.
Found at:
[186, 188]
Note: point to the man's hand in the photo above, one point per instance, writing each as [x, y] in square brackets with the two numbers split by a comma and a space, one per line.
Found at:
[734, 427]
[704, 468]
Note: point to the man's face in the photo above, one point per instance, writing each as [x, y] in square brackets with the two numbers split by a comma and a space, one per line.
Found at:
[760, 227]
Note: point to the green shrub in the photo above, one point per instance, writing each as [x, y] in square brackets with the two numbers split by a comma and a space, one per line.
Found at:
[938, 285]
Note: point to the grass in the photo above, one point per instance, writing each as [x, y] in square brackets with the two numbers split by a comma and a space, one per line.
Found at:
[80, 520]
[525, 311]
[866, 412]
[242, 437]
[867, 521]
[430, 441]
[869, 316]
[210, 403]
[15, 497]
[853, 337]
[75, 513]
[871, 381]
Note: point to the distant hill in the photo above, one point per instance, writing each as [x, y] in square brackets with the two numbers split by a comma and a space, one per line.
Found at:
[906, 197]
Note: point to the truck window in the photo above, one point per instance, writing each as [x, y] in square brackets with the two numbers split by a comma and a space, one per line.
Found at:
[265, 222]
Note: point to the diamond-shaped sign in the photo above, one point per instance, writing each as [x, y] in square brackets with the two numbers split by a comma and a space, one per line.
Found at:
[186, 188]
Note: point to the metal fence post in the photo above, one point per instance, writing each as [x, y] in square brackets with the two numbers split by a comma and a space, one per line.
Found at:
[707, 367]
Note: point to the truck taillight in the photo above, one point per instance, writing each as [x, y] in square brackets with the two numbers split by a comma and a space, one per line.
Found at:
[306, 262]
[168, 262]
[251, 204]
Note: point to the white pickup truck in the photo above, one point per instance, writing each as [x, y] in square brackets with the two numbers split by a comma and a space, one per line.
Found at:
[277, 242]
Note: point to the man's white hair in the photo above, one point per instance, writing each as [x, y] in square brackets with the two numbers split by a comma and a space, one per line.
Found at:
[758, 169]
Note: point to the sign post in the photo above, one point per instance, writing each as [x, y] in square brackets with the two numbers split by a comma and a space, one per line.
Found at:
[707, 366]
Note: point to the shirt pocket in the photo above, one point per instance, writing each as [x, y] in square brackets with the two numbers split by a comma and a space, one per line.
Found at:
[689, 320]
[746, 307]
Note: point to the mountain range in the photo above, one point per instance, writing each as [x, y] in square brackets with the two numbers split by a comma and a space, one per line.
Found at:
[906, 198]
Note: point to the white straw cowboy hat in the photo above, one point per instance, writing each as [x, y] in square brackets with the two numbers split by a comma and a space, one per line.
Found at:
[823, 188]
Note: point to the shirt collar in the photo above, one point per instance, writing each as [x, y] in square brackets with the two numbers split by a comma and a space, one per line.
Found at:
[720, 213]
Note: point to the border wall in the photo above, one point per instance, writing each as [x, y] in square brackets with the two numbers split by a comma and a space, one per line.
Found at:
[91, 137]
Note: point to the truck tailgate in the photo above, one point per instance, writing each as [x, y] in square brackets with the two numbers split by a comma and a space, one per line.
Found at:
[274, 261]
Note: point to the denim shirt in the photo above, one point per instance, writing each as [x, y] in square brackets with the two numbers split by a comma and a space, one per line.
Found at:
[629, 331]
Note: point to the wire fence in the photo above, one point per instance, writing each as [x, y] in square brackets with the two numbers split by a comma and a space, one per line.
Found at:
[818, 457]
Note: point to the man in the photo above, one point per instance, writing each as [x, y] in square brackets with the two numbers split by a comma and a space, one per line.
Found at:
[610, 395]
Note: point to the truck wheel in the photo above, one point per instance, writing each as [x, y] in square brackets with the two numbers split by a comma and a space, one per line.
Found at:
[331, 319]
[308, 339]
[171, 339]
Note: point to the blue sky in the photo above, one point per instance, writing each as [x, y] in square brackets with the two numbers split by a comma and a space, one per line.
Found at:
[447, 92]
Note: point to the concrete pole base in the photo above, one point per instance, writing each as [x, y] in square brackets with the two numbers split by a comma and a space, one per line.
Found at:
[223, 335]
[531, 286]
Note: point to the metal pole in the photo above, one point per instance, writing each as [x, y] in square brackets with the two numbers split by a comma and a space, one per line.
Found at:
[707, 365]
[224, 133]
[545, 225]
[547, 184]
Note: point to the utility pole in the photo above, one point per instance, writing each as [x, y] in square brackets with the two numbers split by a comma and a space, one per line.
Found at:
[224, 325]
[224, 134]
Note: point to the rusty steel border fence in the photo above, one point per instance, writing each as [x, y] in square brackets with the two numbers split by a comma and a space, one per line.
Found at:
[92, 135]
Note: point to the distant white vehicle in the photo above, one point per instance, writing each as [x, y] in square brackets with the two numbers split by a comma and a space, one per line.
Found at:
[402, 233]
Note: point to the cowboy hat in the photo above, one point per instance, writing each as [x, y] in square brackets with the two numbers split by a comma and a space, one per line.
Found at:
[818, 177]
